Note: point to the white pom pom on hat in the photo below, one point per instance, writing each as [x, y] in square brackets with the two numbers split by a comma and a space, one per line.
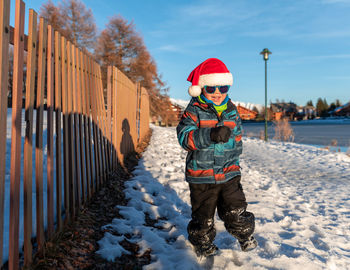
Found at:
[211, 72]
[195, 90]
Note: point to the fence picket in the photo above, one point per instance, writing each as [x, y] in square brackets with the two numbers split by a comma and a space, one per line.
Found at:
[144, 114]
[4, 67]
[104, 120]
[76, 153]
[39, 132]
[58, 110]
[50, 127]
[72, 186]
[101, 123]
[66, 161]
[89, 123]
[109, 116]
[28, 143]
[80, 97]
[95, 124]
[16, 134]
[114, 116]
[87, 127]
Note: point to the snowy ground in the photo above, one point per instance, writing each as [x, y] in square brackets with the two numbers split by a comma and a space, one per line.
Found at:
[299, 195]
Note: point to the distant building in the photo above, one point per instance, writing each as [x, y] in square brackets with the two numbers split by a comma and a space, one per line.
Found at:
[277, 115]
[309, 112]
[246, 114]
[283, 109]
[342, 110]
[178, 110]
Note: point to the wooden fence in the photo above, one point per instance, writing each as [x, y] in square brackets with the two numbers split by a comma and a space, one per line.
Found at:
[85, 138]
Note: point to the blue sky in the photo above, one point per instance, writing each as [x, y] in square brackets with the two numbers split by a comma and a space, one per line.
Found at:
[309, 40]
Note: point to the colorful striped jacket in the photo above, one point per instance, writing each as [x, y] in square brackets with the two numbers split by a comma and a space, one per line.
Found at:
[208, 162]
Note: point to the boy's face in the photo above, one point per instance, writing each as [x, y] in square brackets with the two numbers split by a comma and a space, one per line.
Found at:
[216, 97]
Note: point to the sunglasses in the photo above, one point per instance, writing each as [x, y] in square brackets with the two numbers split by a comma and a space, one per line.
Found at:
[211, 89]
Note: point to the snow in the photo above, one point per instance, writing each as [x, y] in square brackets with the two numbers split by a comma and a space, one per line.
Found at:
[298, 193]
[249, 105]
[182, 103]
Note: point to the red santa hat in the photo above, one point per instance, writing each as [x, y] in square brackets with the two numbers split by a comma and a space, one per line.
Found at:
[211, 72]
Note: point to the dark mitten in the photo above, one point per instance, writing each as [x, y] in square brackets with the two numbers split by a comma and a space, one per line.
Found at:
[220, 134]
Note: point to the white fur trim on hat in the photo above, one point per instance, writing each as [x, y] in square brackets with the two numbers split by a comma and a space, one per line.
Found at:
[213, 79]
[194, 90]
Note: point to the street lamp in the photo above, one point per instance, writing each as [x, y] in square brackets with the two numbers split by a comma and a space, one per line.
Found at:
[265, 52]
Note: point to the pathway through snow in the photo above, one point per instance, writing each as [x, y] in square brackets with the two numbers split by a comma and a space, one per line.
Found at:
[299, 195]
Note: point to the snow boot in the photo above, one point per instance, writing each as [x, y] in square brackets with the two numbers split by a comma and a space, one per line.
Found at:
[206, 250]
[248, 244]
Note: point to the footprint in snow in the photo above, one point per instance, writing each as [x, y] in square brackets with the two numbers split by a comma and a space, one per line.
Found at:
[319, 244]
[316, 239]
[317, 230]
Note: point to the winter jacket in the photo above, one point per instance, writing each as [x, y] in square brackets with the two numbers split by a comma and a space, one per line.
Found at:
[208, 162]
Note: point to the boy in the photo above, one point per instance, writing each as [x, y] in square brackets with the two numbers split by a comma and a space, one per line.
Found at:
[210, 130]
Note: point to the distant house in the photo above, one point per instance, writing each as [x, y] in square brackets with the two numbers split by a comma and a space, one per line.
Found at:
[277, 115]
[283, 109]
[178, 110]
[342, 110]
[309, 112]
[246, 114]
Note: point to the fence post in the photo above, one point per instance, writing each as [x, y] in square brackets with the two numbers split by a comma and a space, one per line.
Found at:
[72, 186]
[50, 106]
[109, 116]
[28, 144]
[102, 121]
[94, 123]
[114, 107]
[87, 127]
[98, 123]
[16, 134]
[144, 118]
[79, 98]
[76, 154]
[39, 132]
[96, 126]
[4, 67]
[138, 111]
[58, 110]
[67, 205]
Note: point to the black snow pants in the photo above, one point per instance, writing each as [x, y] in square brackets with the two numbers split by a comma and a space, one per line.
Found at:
[231, 203]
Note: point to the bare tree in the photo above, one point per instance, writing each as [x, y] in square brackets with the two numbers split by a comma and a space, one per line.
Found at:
[120, 45]
[53, 15]
[73, 20]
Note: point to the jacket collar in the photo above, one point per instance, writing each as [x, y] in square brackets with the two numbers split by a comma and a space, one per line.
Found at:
[206, 106]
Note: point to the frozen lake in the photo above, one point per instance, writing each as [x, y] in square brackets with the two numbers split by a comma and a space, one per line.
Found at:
[314, 132]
